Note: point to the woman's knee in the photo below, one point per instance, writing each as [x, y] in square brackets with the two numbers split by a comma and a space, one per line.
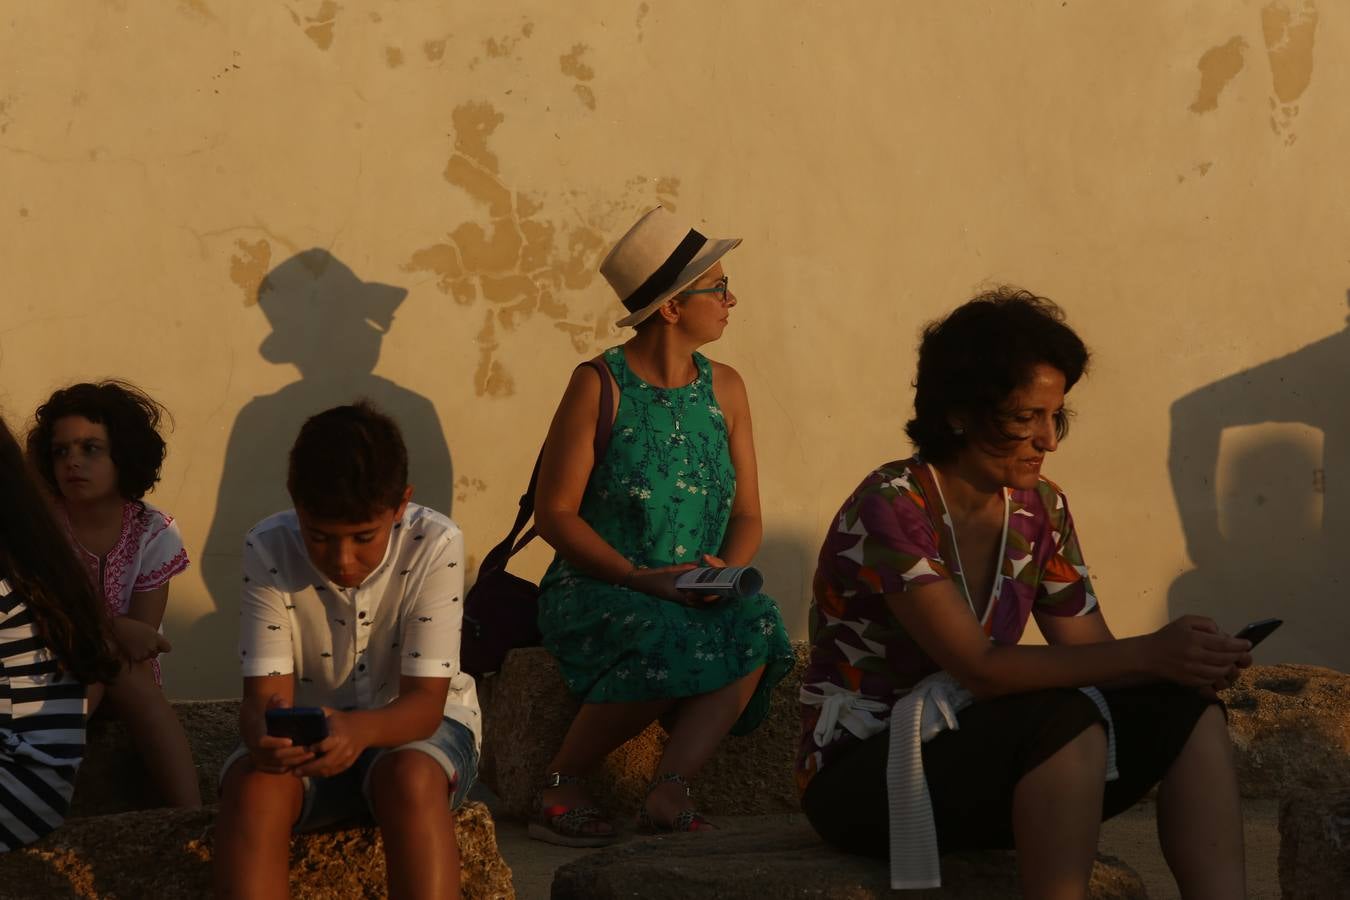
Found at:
[1211, 731]
[1081, 759]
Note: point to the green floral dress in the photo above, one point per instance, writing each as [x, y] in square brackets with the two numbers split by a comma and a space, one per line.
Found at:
[661, 495]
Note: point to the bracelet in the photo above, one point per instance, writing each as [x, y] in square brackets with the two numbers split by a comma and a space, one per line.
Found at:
[627, 579]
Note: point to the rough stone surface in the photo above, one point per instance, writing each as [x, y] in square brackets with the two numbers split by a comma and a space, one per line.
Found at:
[166, 853]
[1315, 845]
[1291, 727]
[112, 777]
[530, 710]
[787, 862]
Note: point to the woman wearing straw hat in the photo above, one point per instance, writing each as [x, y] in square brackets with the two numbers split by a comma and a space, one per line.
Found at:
[675, 488]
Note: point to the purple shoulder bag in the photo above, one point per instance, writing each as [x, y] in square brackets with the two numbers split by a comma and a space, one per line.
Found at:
[501, 609]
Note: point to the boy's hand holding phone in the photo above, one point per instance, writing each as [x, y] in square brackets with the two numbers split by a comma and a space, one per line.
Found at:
[272, 753]
[343, 744]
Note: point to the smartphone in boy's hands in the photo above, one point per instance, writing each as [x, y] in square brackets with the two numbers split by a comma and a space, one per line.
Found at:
[304, 725]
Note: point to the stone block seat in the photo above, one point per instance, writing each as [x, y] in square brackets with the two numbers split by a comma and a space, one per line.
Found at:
[1315, 842]
[166, 854]
[112, 778]
[785, 860]
[527, 710]
[1290, 725]
[115, 846]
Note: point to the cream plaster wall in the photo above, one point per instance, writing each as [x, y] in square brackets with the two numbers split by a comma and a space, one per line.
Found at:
[1172, 173]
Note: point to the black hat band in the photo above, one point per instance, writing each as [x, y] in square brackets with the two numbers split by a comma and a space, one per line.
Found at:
[666, 273]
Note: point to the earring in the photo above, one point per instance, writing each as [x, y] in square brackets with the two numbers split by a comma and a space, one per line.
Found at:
[958, 430]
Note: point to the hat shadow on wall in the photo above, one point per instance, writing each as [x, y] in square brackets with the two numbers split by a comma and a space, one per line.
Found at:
[329, 324]
[1259, 470]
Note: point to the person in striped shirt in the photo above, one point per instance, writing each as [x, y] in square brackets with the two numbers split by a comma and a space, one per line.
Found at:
[55, 649]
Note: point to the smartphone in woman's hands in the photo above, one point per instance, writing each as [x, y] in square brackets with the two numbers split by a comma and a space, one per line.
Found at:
[1258, 631]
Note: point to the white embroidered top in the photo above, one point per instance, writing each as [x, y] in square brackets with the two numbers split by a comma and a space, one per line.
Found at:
[347, 647]
[149, 551]
[147, 554]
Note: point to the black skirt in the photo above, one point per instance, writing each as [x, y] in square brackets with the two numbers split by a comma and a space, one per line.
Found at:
[972, 771]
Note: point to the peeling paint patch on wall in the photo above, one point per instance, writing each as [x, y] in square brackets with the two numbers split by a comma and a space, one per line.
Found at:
[319, 27]
[506, 45]
[1289, 29]
[491, 379]
[197, 6]
[466, 487]
[643, 9]
[573, 67]
[523, 262]
[1200, 169]
[434, 50]
[249, 267]
[1218, 66]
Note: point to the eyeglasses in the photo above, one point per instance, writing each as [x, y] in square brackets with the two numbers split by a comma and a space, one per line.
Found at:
[720, 289]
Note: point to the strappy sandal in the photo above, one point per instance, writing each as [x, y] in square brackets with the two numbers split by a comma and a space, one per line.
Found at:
[568, 826]
[685, 820]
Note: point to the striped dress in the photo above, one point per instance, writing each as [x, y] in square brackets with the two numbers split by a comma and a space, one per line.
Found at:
[41, 729]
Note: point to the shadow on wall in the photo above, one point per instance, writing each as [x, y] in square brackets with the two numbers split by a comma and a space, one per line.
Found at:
[1256, 461]
[328, 323]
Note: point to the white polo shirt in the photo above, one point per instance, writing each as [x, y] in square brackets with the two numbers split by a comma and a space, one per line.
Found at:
[347, 647]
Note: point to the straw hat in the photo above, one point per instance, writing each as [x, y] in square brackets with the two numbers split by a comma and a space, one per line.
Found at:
[658, 257]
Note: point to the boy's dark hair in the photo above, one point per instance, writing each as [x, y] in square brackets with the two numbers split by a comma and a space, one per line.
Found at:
[971, 362]
[132, 419]
[37, 561]
[348, 464]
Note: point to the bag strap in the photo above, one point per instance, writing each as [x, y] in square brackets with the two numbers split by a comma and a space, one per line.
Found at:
[499, 555]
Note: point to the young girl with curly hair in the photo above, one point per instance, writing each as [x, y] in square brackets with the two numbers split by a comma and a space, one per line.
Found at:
[99, 450]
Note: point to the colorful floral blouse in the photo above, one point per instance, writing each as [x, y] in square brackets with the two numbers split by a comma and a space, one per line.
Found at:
[893, 534]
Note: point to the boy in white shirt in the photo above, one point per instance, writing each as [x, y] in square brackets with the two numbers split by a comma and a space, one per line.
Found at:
[351, 602]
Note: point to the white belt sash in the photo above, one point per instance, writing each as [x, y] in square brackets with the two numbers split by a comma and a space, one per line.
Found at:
[929, 708]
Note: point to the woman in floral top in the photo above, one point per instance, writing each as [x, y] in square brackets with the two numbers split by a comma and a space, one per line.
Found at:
[925, 582]
[675, 487]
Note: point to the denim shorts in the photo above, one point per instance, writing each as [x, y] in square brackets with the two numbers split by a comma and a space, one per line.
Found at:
[345, 797]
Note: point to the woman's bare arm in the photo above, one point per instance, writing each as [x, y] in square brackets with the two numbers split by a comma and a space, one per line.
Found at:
[1092, 629]
[745, 528]
[1189, 651]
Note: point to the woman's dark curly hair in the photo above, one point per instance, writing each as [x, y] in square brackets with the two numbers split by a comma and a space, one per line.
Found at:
[38, 563]
[971, 362]
[348, 464]
[132, 419]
